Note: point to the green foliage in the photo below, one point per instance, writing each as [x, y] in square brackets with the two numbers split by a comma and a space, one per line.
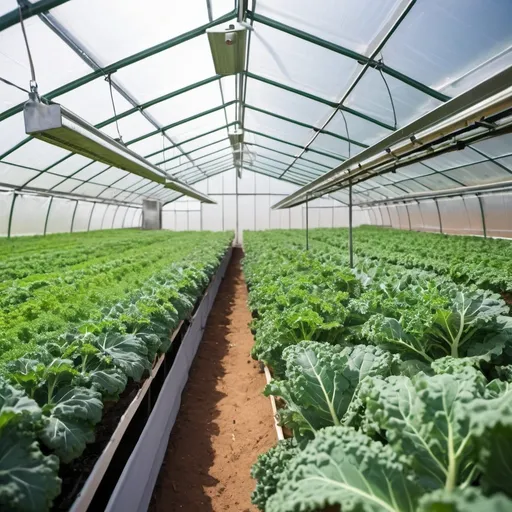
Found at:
[406, 407]
[74, 334]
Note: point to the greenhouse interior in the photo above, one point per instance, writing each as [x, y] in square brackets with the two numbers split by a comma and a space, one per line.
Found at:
[256, 255]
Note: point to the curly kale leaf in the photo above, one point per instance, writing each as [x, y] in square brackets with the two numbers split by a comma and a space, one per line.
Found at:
[268, 469]
[426, 419]
[347, 468]
[321, 381]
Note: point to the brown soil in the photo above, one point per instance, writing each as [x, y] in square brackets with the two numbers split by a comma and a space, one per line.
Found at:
[224, 421]
[507, 297]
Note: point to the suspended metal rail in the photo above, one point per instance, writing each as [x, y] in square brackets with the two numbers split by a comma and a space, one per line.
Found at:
[476, 114]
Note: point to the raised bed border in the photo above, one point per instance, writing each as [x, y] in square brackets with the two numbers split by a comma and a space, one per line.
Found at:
[135, 485]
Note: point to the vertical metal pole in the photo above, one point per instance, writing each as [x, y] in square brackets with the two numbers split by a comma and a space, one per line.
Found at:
[201, 216]
[90, 216]
[9, 227]
[73, 217]
[389, 216]
[484, 227]
[408, 216]
[47, 216]
[104, 215]
[307, 223]
[114, 219]
[421, 216]
[236, 216]
[439, 215]
[350, 246]
[125, 215]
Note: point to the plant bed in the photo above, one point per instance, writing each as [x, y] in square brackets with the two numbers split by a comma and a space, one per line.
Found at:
[78, 344]
[137, 476]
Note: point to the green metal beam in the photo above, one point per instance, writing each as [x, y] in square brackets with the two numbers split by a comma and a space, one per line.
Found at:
[318, 99]
[197, 159]
[193, 150]
[299, 171]
[120, 64]
[191, 139]
[305, 125]
[183, 121]
[362, 59]
[310, 150]
[183, 173]
[13, 17]
[288, 155]
[160, 99]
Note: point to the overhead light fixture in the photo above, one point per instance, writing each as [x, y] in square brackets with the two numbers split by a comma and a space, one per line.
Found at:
[236, 137]
[227, 45]
[58, 126]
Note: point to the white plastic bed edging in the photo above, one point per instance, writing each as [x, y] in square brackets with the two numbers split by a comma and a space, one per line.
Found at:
[279, 429]
[86, 494]
[135, 485]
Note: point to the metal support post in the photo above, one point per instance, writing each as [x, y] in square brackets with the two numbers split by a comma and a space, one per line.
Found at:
[200, 216]
[439, 215]
[11, 213]
[73, 217]
[236, 216]
[307, 223]
[47, 216]
[408, 216]
[114, 218]
[90, 216]
[484, 227]
[350, 246]
[124, 217]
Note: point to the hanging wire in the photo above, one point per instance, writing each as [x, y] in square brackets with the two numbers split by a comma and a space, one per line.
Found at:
[5, 81]
[380, 63]
[348, 134]
[108, 78]
[33, 81]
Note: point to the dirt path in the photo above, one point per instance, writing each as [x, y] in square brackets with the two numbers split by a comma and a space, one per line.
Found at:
[224, 421]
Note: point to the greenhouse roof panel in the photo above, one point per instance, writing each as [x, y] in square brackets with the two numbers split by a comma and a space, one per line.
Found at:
[324, 81]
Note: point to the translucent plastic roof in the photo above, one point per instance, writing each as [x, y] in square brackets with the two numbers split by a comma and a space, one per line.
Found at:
[323, 80]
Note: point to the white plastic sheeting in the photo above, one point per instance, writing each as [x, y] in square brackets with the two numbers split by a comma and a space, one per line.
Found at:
[256, 195]
[303, 57]
[32, 214]
[483, 215]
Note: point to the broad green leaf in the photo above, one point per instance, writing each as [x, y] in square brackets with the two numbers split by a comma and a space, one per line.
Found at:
[69, 421]
[321, 381]
[344, 467]
[491, 422]
[16, 405]
[125, 351]
[28, 479]
[426, 420]
[464, 500]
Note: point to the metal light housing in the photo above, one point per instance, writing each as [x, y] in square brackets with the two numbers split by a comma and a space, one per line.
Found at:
[236, 137]
[58, 126]
[227, 45]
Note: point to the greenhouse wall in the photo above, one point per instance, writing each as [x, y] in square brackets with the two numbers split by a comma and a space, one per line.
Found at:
[29, 214]
[256, 195]
[483, 215]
